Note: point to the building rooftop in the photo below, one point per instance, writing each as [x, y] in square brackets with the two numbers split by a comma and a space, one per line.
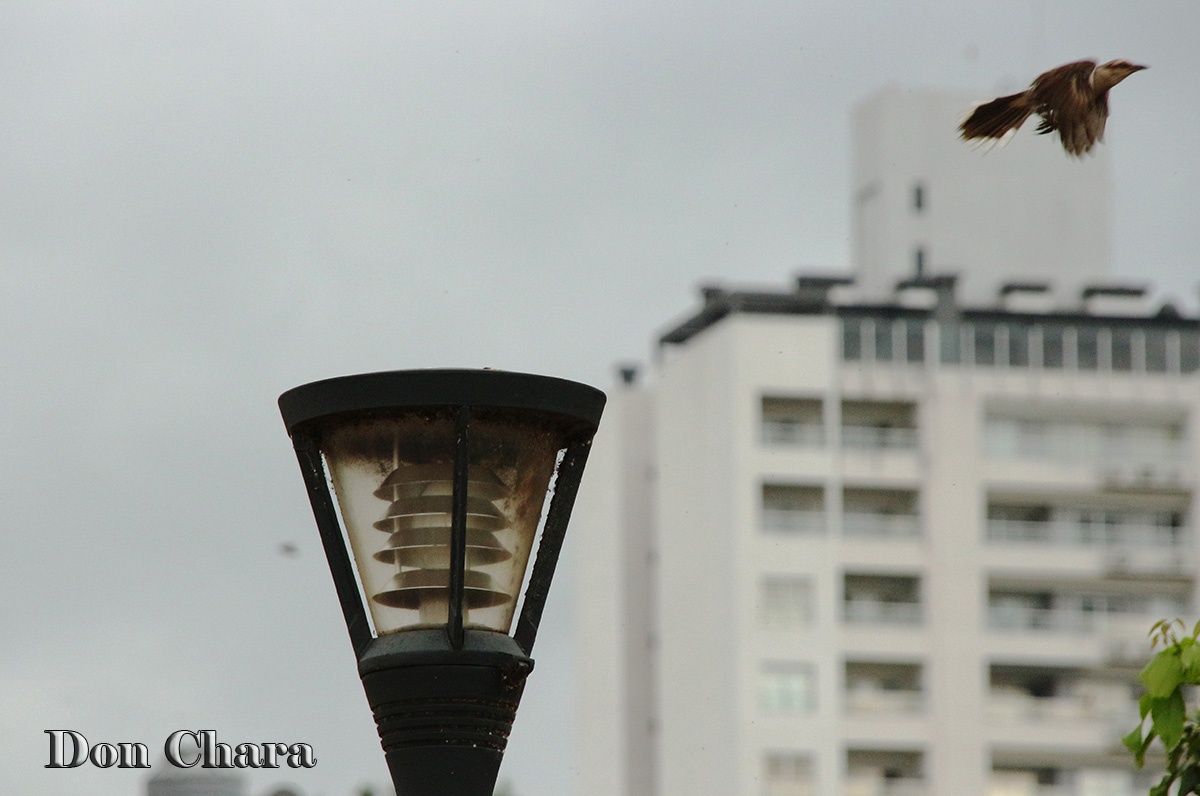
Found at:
[1108, 304]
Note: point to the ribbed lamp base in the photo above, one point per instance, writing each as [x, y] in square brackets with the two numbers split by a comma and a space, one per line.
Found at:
[444, 716]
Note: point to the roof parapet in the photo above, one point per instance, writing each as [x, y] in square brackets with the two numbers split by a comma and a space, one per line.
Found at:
[1025, 297]
[1115, 299]
[934, 291]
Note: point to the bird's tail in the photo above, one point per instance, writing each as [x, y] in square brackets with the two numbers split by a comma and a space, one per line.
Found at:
[998, 118]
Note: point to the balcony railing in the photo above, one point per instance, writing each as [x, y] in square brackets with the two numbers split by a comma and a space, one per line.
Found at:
[1076, 621]
[795, 521]
[881, 612]
[879, 437]
[874, 785]
[1124, 535]
[1081, 708]
[776, 431]
[879, 700]
[877, 525]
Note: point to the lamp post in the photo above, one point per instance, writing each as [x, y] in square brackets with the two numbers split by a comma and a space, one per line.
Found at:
[439, 483]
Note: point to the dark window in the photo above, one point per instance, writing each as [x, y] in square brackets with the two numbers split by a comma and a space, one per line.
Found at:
[919, 197]
[1018, 346]
[919, 261]
[950, 334]
[1122, 349]
[883, 340]
[915, 340]
[985, 345]
[1087, 349]
[1189, 352]
[851, 339]
[1156, 351]
[1052, 346]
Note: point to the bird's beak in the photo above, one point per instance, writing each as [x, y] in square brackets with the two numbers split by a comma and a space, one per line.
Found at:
[1137, 68]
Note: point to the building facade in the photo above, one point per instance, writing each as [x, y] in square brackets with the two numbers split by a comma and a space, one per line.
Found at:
[884, 548]
[901, 533]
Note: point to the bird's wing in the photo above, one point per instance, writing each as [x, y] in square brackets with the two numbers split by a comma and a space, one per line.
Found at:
[1066, 100]
[1064, 91]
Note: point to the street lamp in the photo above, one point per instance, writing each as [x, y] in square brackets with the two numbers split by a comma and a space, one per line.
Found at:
[439, 483]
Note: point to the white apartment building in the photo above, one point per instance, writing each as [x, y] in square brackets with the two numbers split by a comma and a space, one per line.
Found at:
[887, 543]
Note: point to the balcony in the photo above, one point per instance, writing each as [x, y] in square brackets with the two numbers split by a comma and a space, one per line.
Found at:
[882, 600]
[870, 785]
[883, 688]
[879, 425]
[793, 509]
[884, 772]
[1068, 782]
[792, 422]
[1016, 706]
[1136, 454]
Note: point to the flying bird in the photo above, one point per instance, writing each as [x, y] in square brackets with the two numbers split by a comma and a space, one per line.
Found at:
[1071, 99]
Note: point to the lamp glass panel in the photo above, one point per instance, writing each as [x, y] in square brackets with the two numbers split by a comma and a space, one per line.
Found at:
[393, 479]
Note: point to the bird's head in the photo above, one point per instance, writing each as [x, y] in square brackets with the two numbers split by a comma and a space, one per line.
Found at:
[1113, 72]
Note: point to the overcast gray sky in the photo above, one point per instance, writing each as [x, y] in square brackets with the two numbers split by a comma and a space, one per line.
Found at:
[203, 204]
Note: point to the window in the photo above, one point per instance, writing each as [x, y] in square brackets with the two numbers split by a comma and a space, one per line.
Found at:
[786, 601]
[1087, 349]
[1052, 347]
[1018, 346]
[985, 344]
[919, 261]
[788, 774]
[918, 196]
[1122, 350]
[949, 334]
[883, 340]
[915, 341]
[786, 688]
[852, 339]
[1189, 352]
[1156, 351]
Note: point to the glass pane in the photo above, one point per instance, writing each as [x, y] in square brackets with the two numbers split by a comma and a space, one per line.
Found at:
[393, 479]
[851, 339]
[1087, 354]
[1189, 352]
[949, 335]
[915, 333]
[1122, 350]
[1156, 351]
[985, 344]
[1052, 347]
[1018, 346]
[786, 601]
[883, 340]
[786, 688]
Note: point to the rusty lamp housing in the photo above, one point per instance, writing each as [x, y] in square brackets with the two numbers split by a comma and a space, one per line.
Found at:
[439, 480]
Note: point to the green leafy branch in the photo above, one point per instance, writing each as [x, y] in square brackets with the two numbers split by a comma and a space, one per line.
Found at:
[1172, 668]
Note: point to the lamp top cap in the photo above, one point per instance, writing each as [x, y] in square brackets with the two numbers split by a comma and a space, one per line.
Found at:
[399, 389]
